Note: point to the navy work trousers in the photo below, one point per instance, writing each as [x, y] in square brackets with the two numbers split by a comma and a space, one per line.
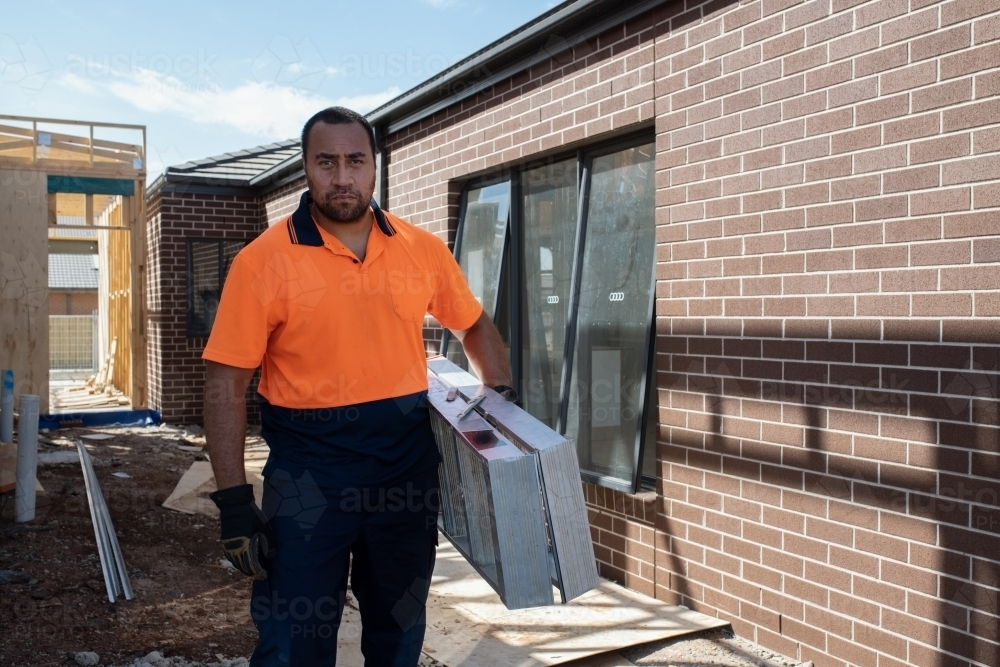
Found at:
[386, 536]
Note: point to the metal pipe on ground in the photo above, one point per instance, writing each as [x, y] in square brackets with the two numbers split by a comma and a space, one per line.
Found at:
[6, 405]
[116, 578]
[98, 533]
[27, 458]
[122, 585]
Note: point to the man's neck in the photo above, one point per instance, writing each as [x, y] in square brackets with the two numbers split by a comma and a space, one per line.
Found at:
[352, 234]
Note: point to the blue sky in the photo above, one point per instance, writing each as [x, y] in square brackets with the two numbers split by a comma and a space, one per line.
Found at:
[210, 77]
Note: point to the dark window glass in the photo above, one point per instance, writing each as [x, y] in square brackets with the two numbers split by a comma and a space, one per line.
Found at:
[612, 331]
[208, 262]
[481, 241]
[573, 300]
[549, 201]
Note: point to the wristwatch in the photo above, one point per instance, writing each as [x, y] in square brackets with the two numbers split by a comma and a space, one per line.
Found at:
[507, 392]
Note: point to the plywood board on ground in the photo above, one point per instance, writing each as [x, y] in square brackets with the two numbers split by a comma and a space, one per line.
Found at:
[349, 646]
[468, 625]
[190, 496]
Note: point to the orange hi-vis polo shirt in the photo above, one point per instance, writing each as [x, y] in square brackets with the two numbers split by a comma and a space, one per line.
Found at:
[329, 330]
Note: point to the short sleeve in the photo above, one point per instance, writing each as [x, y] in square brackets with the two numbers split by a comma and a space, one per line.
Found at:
[240, 331]
[453, 304]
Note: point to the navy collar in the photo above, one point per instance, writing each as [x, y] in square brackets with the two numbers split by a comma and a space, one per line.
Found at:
[303, 231]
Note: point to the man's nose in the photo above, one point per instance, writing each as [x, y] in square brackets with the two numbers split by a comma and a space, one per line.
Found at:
[342, 175]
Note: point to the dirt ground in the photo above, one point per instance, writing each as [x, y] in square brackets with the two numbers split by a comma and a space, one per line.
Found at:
[189, 608]
[186, 603]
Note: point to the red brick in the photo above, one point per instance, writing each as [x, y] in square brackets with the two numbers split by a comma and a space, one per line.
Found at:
[897, 80]
[970, 115]
[970, 224]
[962, 10]
[941, 42]
[912, 128]
[974, 169]
[945, 94]
[913, 24]
[940, 201]
[937, 150]
[881, 209]
[979, 59]
[920, 178]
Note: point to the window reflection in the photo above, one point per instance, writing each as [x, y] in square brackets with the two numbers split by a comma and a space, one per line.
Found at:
[549, 242]
[481, 249]
[613, 319]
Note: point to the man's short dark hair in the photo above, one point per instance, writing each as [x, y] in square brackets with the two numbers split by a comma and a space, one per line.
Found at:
[338, 116]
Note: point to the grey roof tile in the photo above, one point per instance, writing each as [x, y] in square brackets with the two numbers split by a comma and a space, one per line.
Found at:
[72, 272]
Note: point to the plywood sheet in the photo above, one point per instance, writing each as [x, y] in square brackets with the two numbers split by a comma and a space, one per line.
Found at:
[24, 311]
[468, 625]
[190, 496]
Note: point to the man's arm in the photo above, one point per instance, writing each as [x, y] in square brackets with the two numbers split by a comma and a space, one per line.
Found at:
[226, 421]
[484, 348]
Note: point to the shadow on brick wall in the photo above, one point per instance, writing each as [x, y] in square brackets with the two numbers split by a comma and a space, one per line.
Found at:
[901, 439]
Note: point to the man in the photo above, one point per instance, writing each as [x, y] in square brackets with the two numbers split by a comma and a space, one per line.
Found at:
[330, 303]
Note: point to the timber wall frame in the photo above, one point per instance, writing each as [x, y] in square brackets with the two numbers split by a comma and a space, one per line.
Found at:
[43, 156]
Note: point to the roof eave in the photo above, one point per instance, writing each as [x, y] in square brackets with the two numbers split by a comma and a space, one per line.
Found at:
[505, 57]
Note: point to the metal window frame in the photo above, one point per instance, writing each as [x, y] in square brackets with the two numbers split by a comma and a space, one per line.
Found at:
[514, 262]
[460, 233]
[189, 331]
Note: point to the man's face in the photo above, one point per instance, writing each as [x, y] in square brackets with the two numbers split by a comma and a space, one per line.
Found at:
[340, 170]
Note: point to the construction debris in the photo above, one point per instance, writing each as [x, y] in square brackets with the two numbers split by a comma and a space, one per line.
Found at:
[190, 496]
[87, 659]
[97, 391]
[155, 659]
[116, 577]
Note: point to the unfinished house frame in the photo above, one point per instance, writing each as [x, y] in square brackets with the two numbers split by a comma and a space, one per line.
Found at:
[61, 179]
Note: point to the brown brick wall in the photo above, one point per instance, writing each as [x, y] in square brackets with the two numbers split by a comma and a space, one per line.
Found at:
[283, 201]
[176, 370]
[73, 302]
[828, 308]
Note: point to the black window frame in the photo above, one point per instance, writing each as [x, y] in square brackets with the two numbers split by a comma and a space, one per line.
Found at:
[514, 264]
[190, 328]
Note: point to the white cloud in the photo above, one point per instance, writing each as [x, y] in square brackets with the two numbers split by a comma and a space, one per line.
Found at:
[260, 108]
[440, 4]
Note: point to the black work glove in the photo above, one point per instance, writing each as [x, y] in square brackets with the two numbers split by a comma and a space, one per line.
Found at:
[247, 539]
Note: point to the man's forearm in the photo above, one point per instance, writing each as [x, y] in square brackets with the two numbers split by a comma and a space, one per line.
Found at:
[226, 422]
[487, 355]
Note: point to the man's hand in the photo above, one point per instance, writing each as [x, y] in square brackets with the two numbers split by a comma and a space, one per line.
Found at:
[247, 539]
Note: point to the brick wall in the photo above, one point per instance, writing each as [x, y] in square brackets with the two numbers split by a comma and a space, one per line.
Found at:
[828, 308]
[281, 202]
[176, 370]
[82, 302]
